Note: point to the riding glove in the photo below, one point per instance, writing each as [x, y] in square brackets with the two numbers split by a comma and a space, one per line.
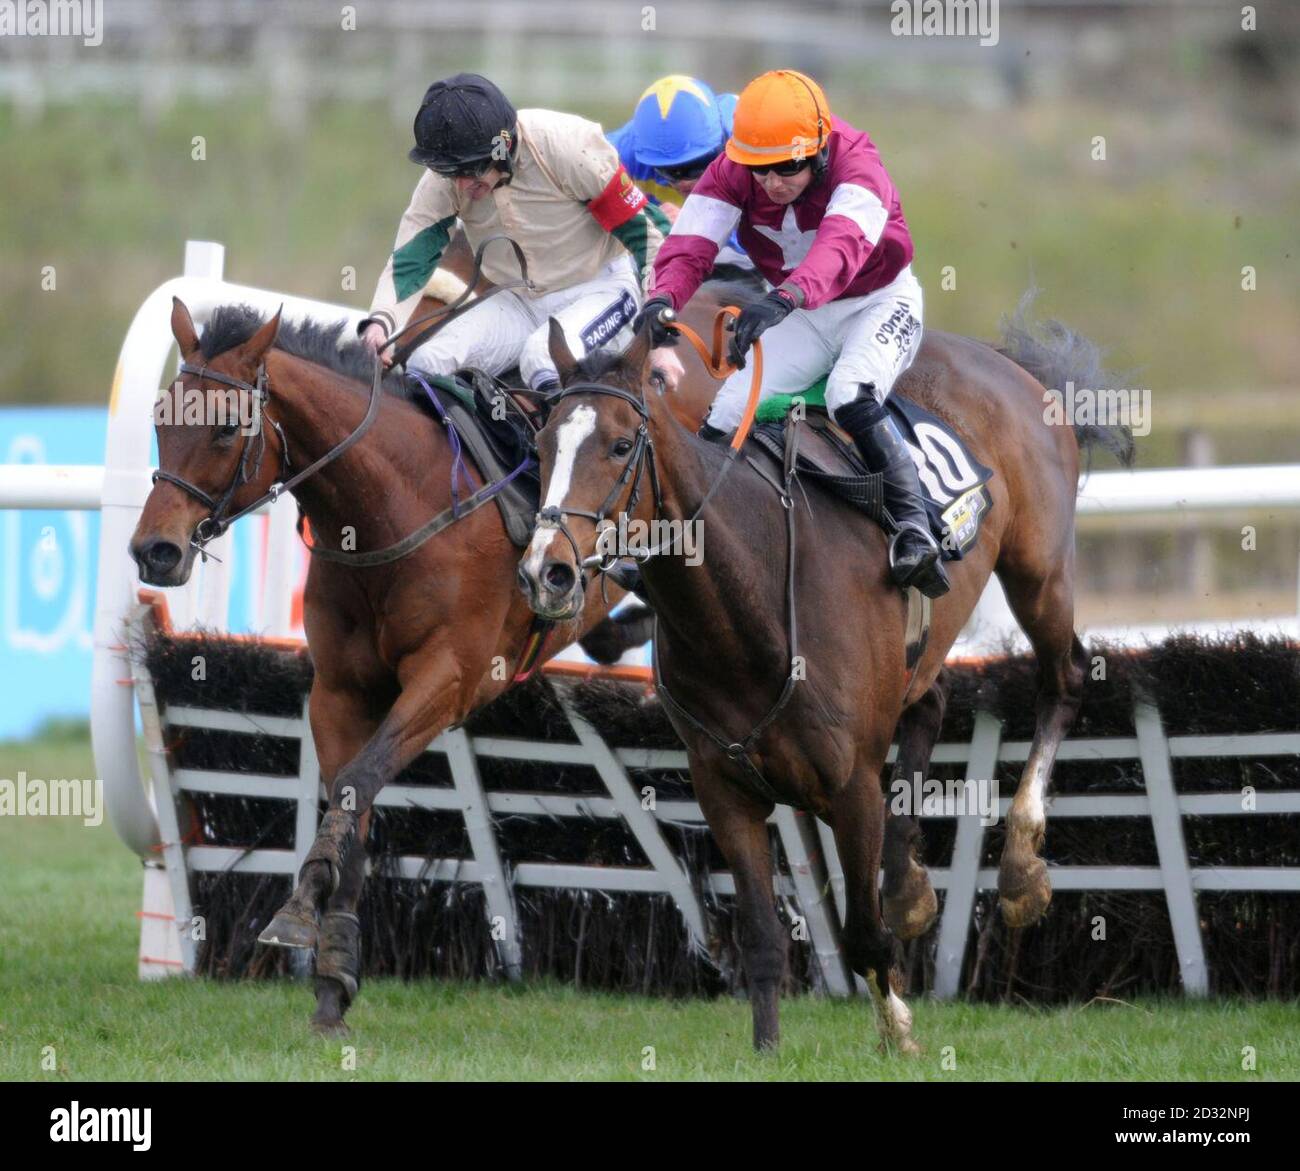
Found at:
[755, 318]
[660, 334]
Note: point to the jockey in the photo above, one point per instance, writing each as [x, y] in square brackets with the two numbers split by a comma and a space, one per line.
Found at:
[678, 128]
[819, 215]
[553, 184]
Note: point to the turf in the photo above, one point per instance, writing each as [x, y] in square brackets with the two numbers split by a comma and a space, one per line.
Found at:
[68, 937]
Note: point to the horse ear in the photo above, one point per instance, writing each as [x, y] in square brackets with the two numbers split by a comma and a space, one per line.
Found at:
[255, 348]
[637, 356]
[187, 340]
[566, 364]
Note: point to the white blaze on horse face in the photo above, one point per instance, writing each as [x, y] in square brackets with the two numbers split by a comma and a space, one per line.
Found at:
[573, 433]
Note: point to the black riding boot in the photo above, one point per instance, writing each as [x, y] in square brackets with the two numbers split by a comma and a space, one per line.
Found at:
[710, 434]
[913, 554]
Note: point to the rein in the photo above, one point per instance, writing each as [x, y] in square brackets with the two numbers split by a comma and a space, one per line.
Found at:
[217, 522]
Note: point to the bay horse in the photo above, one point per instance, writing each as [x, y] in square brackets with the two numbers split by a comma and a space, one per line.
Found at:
[401, 651]
[725, 639]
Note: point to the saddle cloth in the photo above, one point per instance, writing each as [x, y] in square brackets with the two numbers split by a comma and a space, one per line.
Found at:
[953, 482]
[497, 435]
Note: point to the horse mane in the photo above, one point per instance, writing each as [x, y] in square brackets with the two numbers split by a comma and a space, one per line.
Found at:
[313, 341]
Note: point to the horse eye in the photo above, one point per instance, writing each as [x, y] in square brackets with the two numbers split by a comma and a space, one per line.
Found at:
[621, 446]
[227, 430]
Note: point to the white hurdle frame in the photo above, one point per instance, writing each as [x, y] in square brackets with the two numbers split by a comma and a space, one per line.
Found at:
[814, 880]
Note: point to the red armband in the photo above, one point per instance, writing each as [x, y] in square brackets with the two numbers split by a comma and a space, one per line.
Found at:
[619, 202]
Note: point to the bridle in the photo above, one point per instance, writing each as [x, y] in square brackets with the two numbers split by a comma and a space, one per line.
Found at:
[639, 459]
[217, 521]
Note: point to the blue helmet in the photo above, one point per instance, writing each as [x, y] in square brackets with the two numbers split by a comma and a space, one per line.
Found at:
[677, 120]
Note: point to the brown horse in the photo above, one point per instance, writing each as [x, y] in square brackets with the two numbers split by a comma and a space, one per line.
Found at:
[725, 640]
[401, 651]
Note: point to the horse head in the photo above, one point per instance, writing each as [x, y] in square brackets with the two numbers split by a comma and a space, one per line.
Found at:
[597, 461]
[211, 448]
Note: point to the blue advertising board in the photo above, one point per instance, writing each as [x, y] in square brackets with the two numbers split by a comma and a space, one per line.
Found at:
[48, 570]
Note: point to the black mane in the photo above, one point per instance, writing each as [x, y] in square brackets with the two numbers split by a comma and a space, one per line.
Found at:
[313, 341]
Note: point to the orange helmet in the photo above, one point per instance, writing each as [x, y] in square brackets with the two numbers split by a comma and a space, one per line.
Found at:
[780, 116]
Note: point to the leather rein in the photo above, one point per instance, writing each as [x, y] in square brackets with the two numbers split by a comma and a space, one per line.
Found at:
[217, 521]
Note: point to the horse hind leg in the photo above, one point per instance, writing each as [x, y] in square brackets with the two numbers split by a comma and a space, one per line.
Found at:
[908, 897]
[857, 818]
[1044, 606]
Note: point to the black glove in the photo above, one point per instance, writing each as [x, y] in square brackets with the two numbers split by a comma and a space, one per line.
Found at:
[755, 318]
[660, 334]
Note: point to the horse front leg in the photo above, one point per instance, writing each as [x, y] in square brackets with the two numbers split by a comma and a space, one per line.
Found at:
[739, 825]
[858, 821]
[423, 709]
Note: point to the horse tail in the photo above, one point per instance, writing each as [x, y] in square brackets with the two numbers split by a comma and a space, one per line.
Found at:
[1056, 354]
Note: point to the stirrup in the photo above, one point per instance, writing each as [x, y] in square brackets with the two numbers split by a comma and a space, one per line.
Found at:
[929, 576]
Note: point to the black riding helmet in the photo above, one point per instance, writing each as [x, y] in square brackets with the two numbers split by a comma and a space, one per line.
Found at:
[464, 120]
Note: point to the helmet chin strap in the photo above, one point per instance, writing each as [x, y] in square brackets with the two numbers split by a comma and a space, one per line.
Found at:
[820, 158]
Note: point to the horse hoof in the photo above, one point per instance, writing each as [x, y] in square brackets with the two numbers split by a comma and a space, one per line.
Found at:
[904, 1048]
[1024, 899]
[910, 915]
[330, 1027]
[289, 929]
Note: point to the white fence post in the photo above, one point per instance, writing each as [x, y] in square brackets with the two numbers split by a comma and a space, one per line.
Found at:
[963, 875]
[640, 821]
[816, 901]
[483, 841]
[1167, 825]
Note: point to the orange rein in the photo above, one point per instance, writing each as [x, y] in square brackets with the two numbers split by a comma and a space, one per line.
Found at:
[719, 366]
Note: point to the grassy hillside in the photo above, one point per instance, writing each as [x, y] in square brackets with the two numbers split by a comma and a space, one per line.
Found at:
[1143, 251]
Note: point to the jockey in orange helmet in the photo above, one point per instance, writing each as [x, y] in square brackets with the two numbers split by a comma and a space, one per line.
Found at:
[817, 212]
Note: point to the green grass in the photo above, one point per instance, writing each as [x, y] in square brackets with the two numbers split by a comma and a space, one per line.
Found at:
[68, 937]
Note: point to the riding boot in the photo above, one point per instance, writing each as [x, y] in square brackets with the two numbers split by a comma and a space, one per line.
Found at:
[711, 434]
[914, 558]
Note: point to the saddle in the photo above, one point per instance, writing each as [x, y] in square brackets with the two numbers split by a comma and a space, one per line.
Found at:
[824, 452]
[954, 484]
[498, 434]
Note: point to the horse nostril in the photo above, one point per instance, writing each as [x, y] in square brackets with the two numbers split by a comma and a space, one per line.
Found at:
[162, 556]
[525, 582]
[559, 577]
